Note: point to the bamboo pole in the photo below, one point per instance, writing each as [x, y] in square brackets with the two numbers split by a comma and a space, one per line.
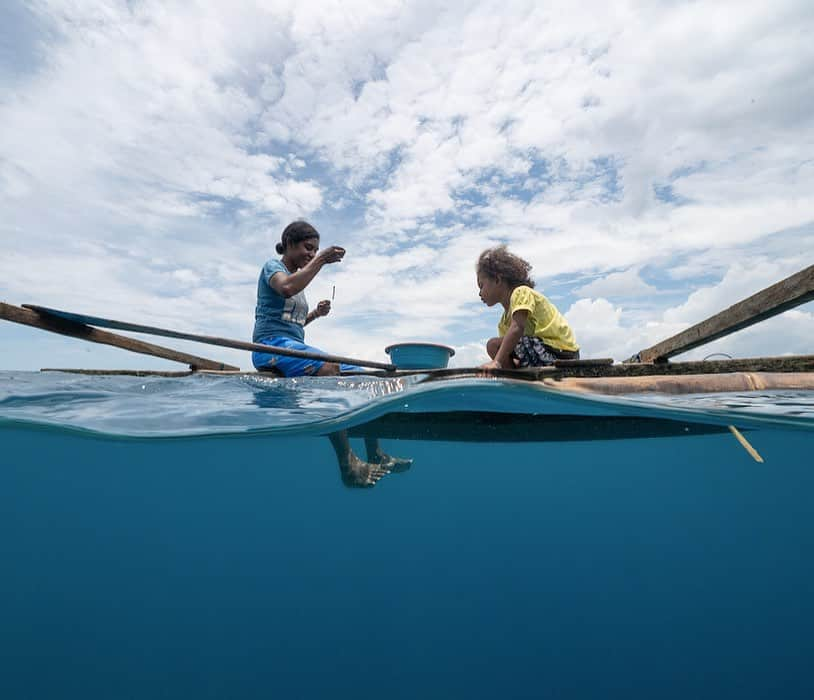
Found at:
[209, 340]
[753, 453]
[73, 329]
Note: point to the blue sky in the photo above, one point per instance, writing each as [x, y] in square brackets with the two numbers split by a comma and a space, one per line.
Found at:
[653, 161]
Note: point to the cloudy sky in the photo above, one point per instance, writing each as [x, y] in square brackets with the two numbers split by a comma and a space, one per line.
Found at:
[654, 161]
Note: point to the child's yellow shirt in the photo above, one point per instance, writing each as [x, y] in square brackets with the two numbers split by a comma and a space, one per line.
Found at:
[544, 320]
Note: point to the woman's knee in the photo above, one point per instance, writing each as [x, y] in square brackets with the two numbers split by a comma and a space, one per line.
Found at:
[328, 369]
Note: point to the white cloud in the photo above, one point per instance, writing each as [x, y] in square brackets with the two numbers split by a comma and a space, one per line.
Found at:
[609, 331]
[626, 283]
[741, 280]
[150, 157]
[598, 328]
[788, 334]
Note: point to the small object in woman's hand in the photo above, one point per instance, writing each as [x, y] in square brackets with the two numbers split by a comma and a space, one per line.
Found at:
[323, 308]
[333, 293]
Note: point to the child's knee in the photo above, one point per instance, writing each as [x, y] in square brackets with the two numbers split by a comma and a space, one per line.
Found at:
[492, 346]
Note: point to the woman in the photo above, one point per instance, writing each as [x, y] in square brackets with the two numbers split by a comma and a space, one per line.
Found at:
[282, 311]
[280, 318]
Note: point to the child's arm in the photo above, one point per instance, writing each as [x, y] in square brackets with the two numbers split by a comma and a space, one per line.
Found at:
[503, 359]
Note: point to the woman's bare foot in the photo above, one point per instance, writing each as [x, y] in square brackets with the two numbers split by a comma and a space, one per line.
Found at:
[359, 474]
[397, 465]
[375, 455]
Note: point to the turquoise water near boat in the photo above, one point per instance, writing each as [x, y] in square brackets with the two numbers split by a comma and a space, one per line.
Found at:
[192, 538]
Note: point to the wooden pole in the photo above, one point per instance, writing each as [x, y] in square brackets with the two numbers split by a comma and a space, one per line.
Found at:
[78, 330]
[753, 453]
[786, 294]
[46, 312]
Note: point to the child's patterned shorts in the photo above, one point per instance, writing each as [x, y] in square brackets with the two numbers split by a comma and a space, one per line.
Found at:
[533, 352]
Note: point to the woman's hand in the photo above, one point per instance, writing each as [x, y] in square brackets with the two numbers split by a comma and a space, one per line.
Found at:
[294, 283]
[331, 254]
[492, 364]
[323, 308]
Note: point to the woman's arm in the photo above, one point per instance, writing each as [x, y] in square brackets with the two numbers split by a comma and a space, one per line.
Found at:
[323, 309]
[295, 282]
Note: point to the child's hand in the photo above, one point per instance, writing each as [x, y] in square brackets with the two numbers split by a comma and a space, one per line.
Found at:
[323, 308]
[492, 364]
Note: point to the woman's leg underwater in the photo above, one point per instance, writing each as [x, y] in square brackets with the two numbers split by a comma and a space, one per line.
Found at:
[354, 471]
[375, 455]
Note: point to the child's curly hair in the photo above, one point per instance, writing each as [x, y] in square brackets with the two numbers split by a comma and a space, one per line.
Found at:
[499, 262]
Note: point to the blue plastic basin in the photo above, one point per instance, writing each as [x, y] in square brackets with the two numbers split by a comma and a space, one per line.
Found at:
[419, 355]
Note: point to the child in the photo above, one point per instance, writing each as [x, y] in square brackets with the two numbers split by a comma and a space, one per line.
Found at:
[532, 332]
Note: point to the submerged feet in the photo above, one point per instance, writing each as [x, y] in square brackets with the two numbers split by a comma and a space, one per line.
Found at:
[355, 472]
[397, 465]
[359, 474]
[375, 455]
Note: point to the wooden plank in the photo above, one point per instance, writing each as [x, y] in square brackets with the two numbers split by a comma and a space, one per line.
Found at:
[786, 294]
[801, 365]
[595, 362]
[651, 382]
[730, 382]
[206, 339]
[786, 363]
[45, 322]
[125, 372]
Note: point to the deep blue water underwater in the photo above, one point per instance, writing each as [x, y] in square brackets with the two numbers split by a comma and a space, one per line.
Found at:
[192, 538]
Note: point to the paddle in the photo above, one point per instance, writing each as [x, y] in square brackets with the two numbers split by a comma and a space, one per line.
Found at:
[209, 340]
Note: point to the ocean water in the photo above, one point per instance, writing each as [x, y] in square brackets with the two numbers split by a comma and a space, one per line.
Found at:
[193, 537]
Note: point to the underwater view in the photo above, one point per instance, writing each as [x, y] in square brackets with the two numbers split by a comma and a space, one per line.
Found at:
[206, 537]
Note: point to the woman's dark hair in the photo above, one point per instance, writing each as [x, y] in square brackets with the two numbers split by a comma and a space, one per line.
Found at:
[499, 262]
[295, 232]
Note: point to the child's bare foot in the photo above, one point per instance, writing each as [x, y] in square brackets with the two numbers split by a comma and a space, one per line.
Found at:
[359, 474]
